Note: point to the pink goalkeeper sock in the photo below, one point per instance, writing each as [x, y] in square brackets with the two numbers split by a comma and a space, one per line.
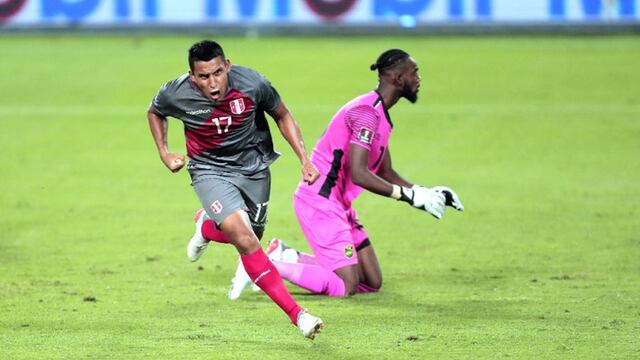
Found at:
[304, 258]
[264, 274]
[211, 232]
[314, 278]
[363, 288]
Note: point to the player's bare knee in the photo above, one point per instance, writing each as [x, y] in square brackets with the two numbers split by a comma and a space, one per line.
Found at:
[350, 288]
[350, 277]
[350, 284]
[246, 243]
[375, 282]
[377, 285]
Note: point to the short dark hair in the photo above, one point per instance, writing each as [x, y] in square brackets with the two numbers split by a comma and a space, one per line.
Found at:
[389, 59]
[204, 50]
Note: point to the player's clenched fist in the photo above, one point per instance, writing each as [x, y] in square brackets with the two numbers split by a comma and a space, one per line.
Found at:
[309, 173]
[173, 161]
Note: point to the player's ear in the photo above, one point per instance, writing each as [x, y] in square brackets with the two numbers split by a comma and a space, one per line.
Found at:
[398, 79]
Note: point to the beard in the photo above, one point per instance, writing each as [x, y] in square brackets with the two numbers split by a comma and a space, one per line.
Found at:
[409, 94]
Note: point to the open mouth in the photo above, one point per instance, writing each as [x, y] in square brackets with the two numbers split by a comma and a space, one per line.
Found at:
[215, 95]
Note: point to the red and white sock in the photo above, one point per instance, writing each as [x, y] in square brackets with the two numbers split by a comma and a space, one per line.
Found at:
[264, 274]
[211, 232]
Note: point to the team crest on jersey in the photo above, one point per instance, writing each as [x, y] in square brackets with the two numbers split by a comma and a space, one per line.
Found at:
[348, 252]
[237, 106]
[216, 207]
[365, 135]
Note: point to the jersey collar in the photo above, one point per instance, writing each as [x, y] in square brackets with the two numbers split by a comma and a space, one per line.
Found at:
[386, 113]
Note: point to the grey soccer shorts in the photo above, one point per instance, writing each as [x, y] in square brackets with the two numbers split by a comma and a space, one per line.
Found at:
[222, 195]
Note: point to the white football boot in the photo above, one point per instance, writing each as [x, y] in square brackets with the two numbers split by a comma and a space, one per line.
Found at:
[198, 244]
[309, 325]
[239, 282]
[275, 249]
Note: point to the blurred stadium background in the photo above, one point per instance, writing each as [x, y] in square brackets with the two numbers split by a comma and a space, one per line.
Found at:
[323, 16]
[536, 124]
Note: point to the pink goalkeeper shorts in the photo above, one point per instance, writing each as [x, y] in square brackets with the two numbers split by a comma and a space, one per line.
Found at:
[333, 231]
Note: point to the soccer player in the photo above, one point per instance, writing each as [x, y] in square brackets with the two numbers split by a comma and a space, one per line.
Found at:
[230, 148]
[352, 156]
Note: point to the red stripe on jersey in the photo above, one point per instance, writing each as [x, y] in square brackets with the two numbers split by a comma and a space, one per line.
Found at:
[225, 119]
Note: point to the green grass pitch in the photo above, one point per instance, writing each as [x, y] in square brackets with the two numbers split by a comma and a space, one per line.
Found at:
[539, 136]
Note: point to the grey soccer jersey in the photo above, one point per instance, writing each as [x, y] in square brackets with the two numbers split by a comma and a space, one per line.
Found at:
[231, 135]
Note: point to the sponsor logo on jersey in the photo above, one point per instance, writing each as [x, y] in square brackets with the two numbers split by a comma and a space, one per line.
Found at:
[237, 106]
[348, 252]
[216, 207]
[199, 112]
[365, 135]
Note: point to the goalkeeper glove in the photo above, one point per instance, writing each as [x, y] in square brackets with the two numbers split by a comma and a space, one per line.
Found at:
[421, 198]
[451, 198]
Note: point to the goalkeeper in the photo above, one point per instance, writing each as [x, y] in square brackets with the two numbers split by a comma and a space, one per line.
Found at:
[353, 155]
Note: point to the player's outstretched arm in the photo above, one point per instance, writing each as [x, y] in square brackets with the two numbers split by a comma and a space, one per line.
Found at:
[291, 132]
[158, 125]
[387, 172]
[362, 176]
[423, 199]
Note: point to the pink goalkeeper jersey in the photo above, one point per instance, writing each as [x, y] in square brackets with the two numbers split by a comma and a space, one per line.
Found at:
[363, 121]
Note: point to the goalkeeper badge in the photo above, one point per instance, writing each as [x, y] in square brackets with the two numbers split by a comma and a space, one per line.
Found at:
[365, 135]
[348, 251]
